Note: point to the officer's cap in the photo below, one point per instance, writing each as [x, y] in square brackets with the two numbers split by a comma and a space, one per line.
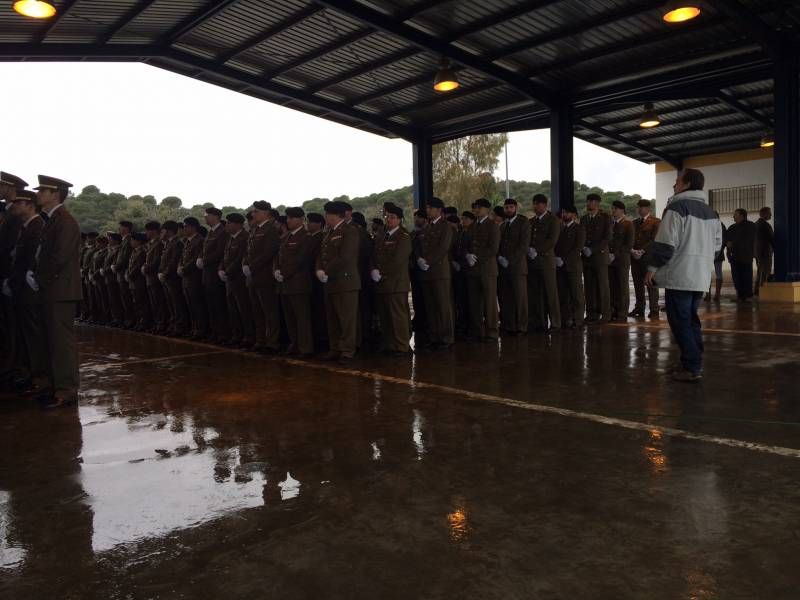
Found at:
[26, 195]
[347, 205]
[498, 210]
[235, 218]
[569, 209]
[10, 179]
[360, 219]
[295, 212]
[52, 183]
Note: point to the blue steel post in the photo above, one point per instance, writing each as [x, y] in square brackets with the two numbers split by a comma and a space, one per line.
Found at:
[423, 172]
[562, 188]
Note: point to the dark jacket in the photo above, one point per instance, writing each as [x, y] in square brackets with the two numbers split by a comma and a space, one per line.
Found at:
[295, 261]
[544, 237]
[25, 258]
[58, 269]
[433, 244]
[764, 239]
[213, 250]
[570, 245]
[338, 257]
[515, 238]
[741, 241]
[262, 248]
[390, 256]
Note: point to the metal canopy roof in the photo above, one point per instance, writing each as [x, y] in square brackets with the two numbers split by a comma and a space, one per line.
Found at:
[370, 65]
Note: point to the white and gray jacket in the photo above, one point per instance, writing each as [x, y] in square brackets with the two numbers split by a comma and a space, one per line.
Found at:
[682, 255]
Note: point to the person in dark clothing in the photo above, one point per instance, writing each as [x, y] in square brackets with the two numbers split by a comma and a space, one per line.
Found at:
[740, 241]
[719, 258]
[763, 249]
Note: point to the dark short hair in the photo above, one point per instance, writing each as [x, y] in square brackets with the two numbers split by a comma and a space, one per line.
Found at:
[741, 211]
[499, 211]
[694, 179]
[540, 199]
[764, 210]
[593, 196]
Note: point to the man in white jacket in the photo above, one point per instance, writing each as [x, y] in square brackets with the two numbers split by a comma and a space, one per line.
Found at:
[681, 260]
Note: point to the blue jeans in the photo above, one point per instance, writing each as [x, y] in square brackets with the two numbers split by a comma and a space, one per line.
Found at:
[685, 325]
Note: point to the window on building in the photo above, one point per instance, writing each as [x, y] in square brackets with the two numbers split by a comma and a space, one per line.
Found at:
[748, 197]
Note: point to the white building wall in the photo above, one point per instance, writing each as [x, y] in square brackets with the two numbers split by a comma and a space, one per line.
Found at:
[734, 174]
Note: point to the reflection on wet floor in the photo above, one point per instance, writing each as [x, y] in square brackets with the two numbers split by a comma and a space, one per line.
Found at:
[195, 472]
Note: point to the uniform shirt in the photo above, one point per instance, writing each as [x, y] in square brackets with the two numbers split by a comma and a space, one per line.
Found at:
[645, 231]
[570, 245]
[622, 238]
[598, 231]
[390, 256]
[433, 245]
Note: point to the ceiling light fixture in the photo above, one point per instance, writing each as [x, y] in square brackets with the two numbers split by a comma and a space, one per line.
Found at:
[680, 12]
[446, 79]
[649, 117]
[768, 141]
[37, 9]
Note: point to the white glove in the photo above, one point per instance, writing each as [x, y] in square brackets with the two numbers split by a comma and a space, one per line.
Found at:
[637, 254]
[113, 268]
[31, 280]
[222, 276]
[142, 271]
[532, 252]
[456, 265]
[611, 258]
[503, 261]
[246, 270]
[102, 271]
[471, 260]
[423, 264]
[322, 276]
[376, 275]
[6, 288]
[559, 261]
[587, 252]
[199, 263]
[180, 271]
[162, 277]
[278, 276]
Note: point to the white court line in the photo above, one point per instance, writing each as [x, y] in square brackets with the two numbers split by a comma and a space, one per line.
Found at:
[540, 408]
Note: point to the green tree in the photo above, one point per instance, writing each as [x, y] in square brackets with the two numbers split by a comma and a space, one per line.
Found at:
[463, 168]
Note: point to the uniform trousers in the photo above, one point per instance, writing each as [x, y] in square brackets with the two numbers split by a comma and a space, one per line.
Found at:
[638, 272]
[8, 334]
[619, 273]
[141, 303]
[513, 296]
[437, 299]
[158, 304]
[393, 312]
[297, 312]
[598, 295]
[342, 312]
[126, 299]
[482, 290]
[32, 348]
[193, 292]
[115, 302]
[179, 313]
[240, 312]
[217, 304]
[763, 270]
[544, 310]
[61, 346]
[570, 296]
[266, 315]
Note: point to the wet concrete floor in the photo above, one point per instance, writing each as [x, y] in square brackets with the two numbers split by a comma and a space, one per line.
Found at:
[563, 467]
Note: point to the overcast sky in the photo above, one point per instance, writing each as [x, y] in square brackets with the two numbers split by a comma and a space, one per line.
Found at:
[135, 129]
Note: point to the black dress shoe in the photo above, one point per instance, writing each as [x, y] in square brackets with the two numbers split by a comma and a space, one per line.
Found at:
[636, 313]
[653, 314]
[59, 400]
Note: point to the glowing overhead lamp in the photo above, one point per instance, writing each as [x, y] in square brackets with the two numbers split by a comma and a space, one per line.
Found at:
[38, 9]
[680, 12]
[649, 117]
[768, 141]
[446, 79]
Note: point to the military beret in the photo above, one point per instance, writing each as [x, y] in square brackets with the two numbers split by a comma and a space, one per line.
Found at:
[261, 205]
[192, 222]
[214, 211]
[452, 219]
[540, 199]
[152, 226]
[498, 210]
[170, 226]
[26, 195]
[114, 237]
[482, 202]
[450, 210]
[435, 203]
[126, 224]
[618, 204]
[510, 201]
[10, 179]
[234, 218]
[139, 237]
[468, 215]
[334, 208]
[52, 183]
[644, 203]
[315, 218]
[396, 210]
[359, 219]
[295, 212]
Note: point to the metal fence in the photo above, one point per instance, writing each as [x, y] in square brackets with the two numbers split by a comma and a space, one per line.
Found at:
[749, 197]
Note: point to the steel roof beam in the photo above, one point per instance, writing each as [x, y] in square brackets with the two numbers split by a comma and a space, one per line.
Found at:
[454, 95]
[48, 27]
[384, 61]
[628, 142]
[711, 132]
[195, 19]
[751, 22]
[436, 45]
[712, 141]
[127, 17]
[740, 107]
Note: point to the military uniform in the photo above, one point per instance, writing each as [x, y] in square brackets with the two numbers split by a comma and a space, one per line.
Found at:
[58, 276]
[462, 239]
[543, 304]
[262, 247]
[482, 279]
[240, 312]
[433, 246]
[155, 290]
[215, 291]
[173, 286]
[87, 257]
[121, 261]
[338, 258]
[295, 261]
[319, 320]
[619, 269]
[570, 274]
[390, 258]
[595, 266]
[98, 282]
[138, 286]
[515, 237]
[112, 286]
[192, 283]
[9, 233]
[645, 231]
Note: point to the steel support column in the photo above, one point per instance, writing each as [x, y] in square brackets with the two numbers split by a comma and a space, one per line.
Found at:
[562, 187]
[787, 167]
[423, 172]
